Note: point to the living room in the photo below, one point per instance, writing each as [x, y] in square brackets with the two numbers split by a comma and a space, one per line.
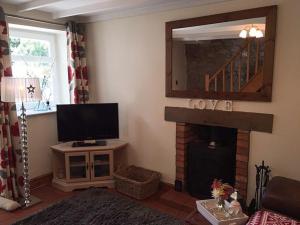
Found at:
[126, 58]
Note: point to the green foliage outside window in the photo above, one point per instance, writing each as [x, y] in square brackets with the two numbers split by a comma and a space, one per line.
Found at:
[28, 47]
[30, 58]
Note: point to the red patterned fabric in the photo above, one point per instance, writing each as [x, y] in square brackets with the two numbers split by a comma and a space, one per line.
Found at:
[11, 167]
[77, 70]
[270, 218]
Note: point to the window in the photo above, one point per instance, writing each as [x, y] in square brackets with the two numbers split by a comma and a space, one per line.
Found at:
[41, 53]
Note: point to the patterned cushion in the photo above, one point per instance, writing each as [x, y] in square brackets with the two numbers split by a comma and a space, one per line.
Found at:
[271, 218]
[8, 205]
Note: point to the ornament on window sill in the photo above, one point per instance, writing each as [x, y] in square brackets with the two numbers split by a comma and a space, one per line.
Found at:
[45, 83]
[43, 106]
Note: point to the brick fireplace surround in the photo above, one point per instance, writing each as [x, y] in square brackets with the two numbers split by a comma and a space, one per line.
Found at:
[185, 134]
[244, 122]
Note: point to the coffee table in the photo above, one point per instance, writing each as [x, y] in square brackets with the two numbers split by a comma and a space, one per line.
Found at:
[195, 218]
[207, 213]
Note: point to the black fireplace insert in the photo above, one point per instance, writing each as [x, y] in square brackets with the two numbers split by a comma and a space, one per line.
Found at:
[212, 155]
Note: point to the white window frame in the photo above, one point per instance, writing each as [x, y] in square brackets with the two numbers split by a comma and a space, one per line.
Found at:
[58, 53]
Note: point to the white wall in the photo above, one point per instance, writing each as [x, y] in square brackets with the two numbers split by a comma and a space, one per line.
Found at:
[127, 65]
[42, 133]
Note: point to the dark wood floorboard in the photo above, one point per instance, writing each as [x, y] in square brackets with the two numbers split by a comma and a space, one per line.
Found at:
[49, 195]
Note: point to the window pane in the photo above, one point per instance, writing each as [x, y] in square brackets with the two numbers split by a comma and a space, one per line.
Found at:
[41, 70]
[34, 53]
[29, 47]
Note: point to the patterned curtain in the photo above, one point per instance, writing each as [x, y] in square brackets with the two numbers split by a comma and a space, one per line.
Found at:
[11, 167]
[77, 70]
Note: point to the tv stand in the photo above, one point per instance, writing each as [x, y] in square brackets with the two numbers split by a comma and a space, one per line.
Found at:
[88, 166]
[87, 144]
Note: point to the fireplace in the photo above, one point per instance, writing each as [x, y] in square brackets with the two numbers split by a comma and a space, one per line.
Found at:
[212, 154]
[188, 134]
[188, 119]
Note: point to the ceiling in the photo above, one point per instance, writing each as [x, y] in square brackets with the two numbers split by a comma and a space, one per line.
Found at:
[103, 9]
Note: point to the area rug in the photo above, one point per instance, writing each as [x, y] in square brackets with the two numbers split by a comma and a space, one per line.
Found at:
[98, 206]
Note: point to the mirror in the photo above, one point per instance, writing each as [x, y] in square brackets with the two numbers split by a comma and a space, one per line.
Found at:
[225, 56]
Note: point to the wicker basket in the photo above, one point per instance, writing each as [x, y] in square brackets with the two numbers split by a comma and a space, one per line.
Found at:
[137, 182]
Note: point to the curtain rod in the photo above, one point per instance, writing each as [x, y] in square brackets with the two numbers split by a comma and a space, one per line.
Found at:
[35, 20]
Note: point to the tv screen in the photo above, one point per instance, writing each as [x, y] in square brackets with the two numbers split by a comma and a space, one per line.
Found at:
[87, 122]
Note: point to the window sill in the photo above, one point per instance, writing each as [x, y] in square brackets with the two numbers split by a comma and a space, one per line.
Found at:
[30, 113]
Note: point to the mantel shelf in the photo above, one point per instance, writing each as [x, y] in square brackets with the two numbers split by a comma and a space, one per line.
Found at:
[241, 120]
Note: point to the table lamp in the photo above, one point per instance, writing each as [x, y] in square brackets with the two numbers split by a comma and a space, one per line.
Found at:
[22, 90]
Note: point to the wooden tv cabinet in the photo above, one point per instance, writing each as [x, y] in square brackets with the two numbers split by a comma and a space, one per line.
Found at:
[83, 167]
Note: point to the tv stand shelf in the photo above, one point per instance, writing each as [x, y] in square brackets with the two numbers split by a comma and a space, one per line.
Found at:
[83, 167]
[88, 144]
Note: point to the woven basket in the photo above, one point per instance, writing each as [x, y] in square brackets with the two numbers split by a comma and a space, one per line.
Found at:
[137, 182]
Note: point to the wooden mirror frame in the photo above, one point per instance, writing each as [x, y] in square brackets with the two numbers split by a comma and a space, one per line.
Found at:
[265, 94]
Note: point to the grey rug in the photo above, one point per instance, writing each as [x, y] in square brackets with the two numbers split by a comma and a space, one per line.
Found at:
[98, 206]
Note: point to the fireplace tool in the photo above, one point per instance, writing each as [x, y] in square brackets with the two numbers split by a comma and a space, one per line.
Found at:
[262, 179]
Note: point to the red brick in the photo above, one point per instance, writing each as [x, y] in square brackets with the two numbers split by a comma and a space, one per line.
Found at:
[181, 141]
[181, 128]
[180, 153]
[180, 124]
[184, 134]
[245, 136]
[240, 186]
[242, 172]
[240, 164]
[180, 176]
[180, 169]
[242, 179]
[242, 151]
[243, 131]
[180, 146]
[180, 163]
[180, 158]
[184, 140]
[242, 144]
[242, 158]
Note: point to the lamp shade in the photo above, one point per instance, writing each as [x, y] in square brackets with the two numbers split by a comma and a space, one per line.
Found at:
[20, 89]
[243, 34]
[252, 32]
[259, 34]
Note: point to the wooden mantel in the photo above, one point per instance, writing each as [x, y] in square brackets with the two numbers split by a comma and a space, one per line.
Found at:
[240, 120]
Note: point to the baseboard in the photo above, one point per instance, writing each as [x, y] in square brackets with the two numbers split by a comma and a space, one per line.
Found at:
[46, 179]
[165, 184]
[41, 181]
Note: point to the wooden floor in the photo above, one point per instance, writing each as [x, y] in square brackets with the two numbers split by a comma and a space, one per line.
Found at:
[166, 200]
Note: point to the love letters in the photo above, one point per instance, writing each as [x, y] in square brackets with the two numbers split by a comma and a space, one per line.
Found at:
[224, 105]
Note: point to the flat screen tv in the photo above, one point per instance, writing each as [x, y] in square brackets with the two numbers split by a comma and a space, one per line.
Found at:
[87, 122]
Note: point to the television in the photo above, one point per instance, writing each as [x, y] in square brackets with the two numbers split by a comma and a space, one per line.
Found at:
[83, 122]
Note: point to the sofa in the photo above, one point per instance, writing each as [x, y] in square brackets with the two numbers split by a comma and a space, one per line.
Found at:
[280, 203]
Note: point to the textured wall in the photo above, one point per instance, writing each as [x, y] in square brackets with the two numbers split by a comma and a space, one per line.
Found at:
[206, 57]
[127, 65]
[192, 61]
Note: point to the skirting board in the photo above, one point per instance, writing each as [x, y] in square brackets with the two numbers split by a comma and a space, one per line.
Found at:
[46, 179]
[41, 181]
